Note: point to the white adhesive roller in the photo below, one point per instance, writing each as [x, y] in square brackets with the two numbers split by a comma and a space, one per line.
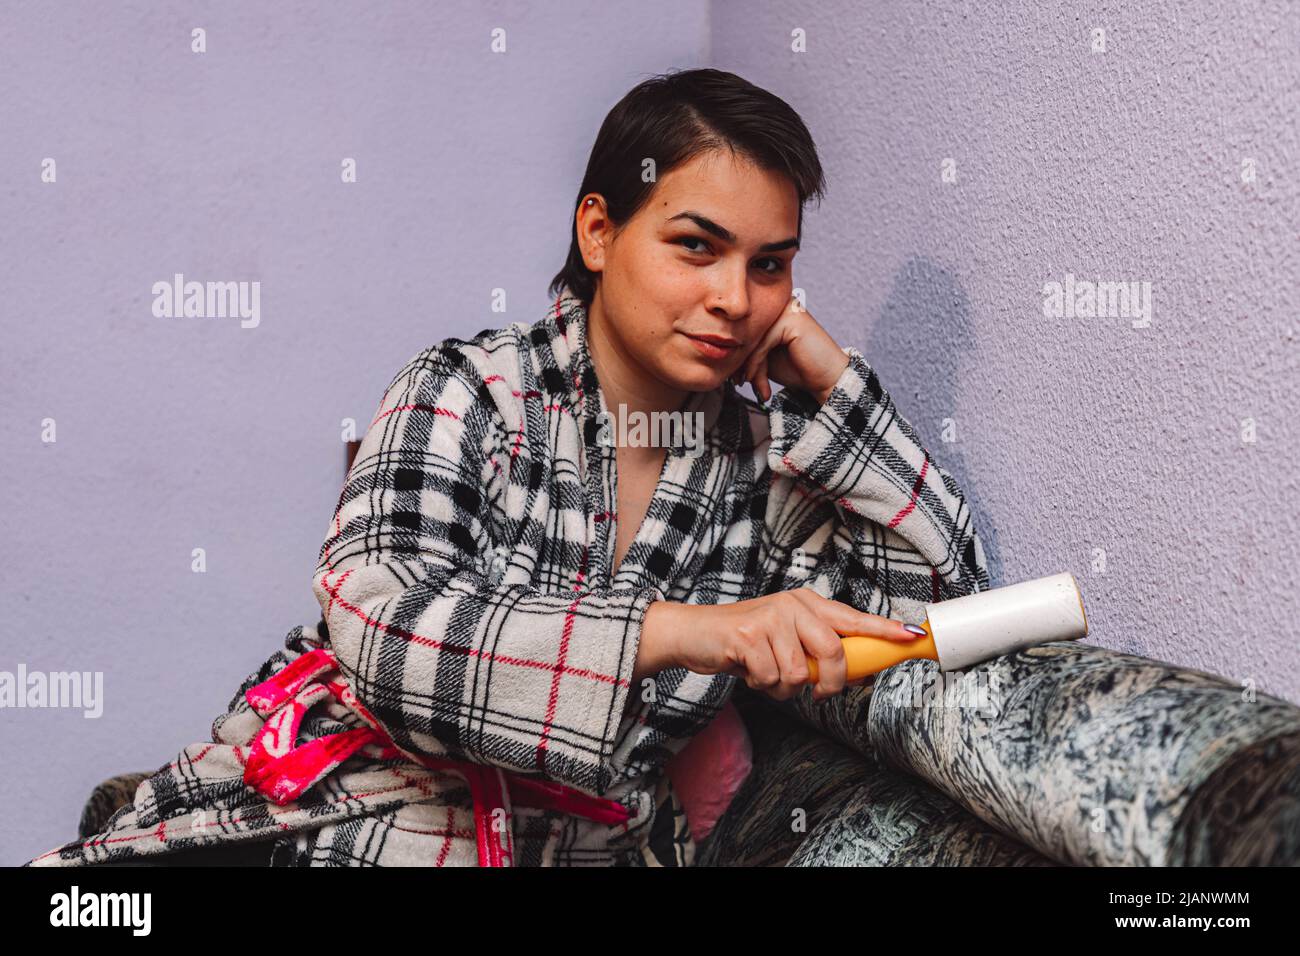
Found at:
[977, 627]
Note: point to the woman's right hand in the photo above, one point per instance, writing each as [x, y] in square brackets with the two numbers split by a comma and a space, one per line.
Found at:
[767, 640]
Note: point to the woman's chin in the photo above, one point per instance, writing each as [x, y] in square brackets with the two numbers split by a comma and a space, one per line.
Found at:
[698, 379]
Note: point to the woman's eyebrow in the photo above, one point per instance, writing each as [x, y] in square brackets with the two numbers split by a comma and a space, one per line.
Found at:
[726, 235]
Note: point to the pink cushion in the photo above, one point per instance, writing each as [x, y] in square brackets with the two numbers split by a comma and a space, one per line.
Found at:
[708, 771]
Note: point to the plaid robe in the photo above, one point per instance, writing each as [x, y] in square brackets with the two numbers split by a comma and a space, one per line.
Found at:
[468, 597]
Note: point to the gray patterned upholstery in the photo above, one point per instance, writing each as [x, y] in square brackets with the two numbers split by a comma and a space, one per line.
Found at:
[855, 811]
[1073, 754]
[105, 800]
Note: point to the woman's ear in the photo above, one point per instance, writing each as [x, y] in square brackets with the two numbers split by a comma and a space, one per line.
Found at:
[593, 228]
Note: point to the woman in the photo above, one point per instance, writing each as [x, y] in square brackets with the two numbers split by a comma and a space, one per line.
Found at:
[523, 620]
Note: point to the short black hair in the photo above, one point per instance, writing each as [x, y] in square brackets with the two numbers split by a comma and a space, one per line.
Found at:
[671, 118]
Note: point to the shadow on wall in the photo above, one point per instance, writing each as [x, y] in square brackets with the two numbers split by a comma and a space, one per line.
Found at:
[925, 331]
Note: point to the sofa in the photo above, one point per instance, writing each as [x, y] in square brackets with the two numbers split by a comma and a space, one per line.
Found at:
[1061, 754]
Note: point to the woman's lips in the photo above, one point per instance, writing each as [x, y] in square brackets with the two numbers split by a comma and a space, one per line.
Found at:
[710, 350]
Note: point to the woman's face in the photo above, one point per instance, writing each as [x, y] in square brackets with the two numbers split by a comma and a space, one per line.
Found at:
[710, 253]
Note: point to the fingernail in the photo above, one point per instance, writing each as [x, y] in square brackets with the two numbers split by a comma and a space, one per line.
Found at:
[918, 631]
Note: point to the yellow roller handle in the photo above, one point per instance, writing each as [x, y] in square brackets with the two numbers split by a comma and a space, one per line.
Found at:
[868, 655]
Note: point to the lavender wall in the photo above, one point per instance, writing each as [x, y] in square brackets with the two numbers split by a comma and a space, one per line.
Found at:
[1071, 434]
[175, 433]
[1075, 436]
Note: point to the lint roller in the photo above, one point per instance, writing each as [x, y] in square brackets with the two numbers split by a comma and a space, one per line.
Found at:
[976, 627]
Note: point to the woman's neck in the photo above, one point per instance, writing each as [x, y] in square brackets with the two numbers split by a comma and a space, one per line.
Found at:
[623, 380]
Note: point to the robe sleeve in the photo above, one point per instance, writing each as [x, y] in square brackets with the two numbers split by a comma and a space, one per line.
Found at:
[448, 662]
[857, 508]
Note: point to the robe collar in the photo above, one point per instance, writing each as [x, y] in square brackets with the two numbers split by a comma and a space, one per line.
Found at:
[567, 375]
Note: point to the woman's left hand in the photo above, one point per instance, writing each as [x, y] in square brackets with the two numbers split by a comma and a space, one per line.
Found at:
[798, 353]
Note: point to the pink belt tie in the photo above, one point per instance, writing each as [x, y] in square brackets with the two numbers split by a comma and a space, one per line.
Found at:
[282, 772]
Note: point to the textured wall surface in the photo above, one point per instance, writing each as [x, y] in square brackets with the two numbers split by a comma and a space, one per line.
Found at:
[1071, 435]
[175, 433]
[1079, 440]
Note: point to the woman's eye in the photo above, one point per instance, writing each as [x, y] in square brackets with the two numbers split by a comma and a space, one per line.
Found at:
[777, 265]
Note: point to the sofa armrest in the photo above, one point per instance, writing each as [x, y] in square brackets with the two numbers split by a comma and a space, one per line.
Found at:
[1090, 756]
[106, 799]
